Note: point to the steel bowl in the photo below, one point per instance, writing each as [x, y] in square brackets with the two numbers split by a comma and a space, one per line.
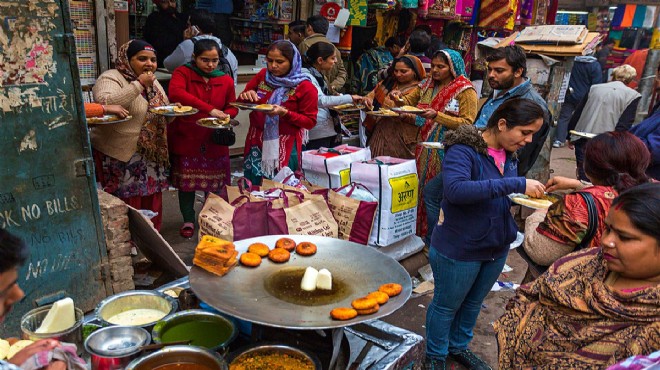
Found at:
[135, 299]
[190, 320]
[175, 355]
[114, 347]
[278, 348]
[31, 321]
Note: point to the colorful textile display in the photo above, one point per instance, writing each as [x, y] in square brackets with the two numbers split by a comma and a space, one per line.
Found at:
[495, 13]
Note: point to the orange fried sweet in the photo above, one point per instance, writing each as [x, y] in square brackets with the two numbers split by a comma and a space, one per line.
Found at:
[391, 289]
[306, 249]
[279, 255]
[369, 311]
[363, 303]
[259, 248]
[250, 259]
[380, 297]
[286, 243]
[343, 313]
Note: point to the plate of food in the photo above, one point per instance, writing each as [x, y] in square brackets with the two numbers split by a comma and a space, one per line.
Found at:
[350, 107]
[174, 110]
[213, 122]
[432, 145]
[383, 113]
[408, 109]
[587, 135]
[536, 203]
[252, 106]
[106, 119]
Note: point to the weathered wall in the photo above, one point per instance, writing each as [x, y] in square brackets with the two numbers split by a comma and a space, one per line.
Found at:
[114, 215]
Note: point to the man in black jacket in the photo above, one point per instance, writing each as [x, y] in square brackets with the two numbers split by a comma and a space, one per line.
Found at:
[164, 29]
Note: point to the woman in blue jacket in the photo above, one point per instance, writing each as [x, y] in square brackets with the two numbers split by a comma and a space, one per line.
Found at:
[479, 171]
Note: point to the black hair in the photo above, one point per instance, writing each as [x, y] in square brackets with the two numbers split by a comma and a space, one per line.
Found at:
[320, 49]
[436, 44]
[395, 40]
[642, 206]
[206, 45]
[441, 55]
[286, 48]
[13, 251]
[516, 112]
[298, 26]
[419, 41]
[514, 56]
[318, 23]
[203, 19]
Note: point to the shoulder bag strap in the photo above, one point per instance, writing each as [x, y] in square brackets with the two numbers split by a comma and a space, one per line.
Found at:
[592, 214]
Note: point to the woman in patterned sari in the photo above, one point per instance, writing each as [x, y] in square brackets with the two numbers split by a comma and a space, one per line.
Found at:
[594, 307]
[394, 136]
[449, 100]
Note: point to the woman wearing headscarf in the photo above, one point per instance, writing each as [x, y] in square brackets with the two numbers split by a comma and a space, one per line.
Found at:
[275, 137]
[449, 100]
[394, 136]
[131, 157]
[198, 163]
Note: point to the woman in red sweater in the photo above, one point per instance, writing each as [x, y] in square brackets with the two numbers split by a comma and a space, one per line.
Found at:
[275, 138]
[198, 164]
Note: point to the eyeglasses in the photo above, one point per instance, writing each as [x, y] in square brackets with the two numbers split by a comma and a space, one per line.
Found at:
[207, 60]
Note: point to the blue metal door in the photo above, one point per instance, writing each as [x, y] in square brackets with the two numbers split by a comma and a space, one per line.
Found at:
[47, 188]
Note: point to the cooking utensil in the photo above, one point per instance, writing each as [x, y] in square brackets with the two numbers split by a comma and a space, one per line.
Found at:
[114, 347]
[174, 355]
[198, 327]
[278, 348]
[31, 321]
[363, 353]
[135, 299]
[151, 347]
[242, 292]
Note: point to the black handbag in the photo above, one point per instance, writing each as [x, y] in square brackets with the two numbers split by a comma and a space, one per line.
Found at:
[592, 213]
[224, 136]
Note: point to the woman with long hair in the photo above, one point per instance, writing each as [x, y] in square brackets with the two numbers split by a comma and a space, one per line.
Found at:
[320, 58]
[394, 136]
[275, 138]
[614, 162]
[131, 158]
[471, 240]
[198, 163]
[449, 100]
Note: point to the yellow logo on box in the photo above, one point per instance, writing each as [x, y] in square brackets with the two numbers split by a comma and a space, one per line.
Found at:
[345, 176]
[404, 192]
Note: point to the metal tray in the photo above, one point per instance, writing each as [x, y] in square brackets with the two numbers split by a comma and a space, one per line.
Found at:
[241, 293]
[107, 119]
[171, 113]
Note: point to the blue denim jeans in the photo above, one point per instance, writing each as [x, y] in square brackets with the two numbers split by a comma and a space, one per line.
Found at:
[460, 289]
[565, 115]
[433, 191]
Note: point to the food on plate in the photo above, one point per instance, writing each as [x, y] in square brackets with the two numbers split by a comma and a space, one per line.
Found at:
[60, 317]
[4, 349]
[271, 360]
[264, 106]
[368, 311]
[182, 109]
[250, 259]
[363, 303]
[536, 203]
[259, 248]
[324, 280]
[279, 255]
[391, 289]
[213, 122]
[174, 292]
[308, 282]
[286, 243]
[17, 347]
[161, 110]
[306, 249]
[386, 112]
[410, 108]
[215, 255]
[380, 297]
[343, 313]
[137, 317]
[344, 106]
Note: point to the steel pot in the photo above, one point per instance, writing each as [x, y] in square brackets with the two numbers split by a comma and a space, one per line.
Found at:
[114, 347]
[135, 299]
[175, 355]
[31, 321]
[279, 348]
[201, 328]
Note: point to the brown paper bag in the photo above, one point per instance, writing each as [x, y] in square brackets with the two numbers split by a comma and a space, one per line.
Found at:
[311, 217]
[216, 217]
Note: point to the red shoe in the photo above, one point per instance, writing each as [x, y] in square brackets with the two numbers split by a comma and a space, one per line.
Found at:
[187, 230]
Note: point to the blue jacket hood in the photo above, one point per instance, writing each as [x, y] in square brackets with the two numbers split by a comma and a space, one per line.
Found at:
[586, 59]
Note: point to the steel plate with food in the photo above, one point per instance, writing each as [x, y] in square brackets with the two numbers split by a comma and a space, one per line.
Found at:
[536, 203]
[383, 113]
[348, 107]
[274, 356]
[212, 122]
[587, 135]
[277, 293]
[251, 106]
[106, 119]
[408, 109]
[174, 110]
[432, 145]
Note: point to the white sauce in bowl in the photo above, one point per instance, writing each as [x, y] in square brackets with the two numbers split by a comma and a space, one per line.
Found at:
[137, 317]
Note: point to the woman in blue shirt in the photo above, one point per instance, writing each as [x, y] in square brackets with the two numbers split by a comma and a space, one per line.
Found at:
[479, 171]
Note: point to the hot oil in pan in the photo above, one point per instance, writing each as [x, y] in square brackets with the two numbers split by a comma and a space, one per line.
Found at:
[285, 285]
